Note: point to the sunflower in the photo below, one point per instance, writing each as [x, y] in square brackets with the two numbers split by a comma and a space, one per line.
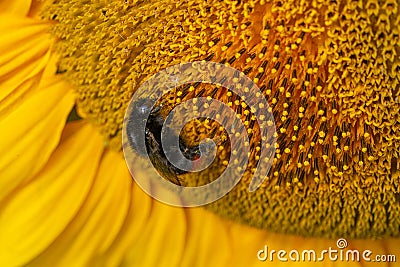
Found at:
[330, 70]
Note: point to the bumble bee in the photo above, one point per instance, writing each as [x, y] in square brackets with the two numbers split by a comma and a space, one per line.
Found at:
[152, 136]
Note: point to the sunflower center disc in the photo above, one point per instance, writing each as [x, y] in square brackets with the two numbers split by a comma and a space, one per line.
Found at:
[328, 69]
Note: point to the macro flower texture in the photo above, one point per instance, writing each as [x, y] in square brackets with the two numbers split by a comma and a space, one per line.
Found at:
[329, 69]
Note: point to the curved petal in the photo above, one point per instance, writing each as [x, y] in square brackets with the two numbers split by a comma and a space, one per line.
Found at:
[214, 241]
[36, 7]
[151, 227]
[15, 7]
[25, 52]
[99, 220]
[155, 234]
[34, 103]
[41, 210]
[31, 132]
[141, 209]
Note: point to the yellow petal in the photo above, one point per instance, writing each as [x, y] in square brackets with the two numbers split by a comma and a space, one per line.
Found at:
[30, 134]
[150, 227]
[155, 234]
[25, 51]
[40, 211]
[36, 8]
[34, 104]
[165, 228]
[139, 214]
[15, 7]
[208, 240]
[99, 220]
